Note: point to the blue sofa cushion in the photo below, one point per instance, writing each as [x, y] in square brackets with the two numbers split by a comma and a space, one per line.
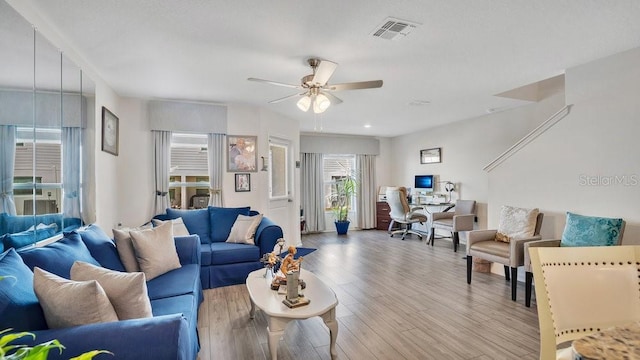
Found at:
[184, 280]
[222, 220]
[583, 230]
[29, 237]
[19, 306]
[58, 257]
[231, 253]
[101, 247]
[196, 221]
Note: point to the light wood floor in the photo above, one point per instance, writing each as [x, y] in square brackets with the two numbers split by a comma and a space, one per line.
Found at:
[397, 300]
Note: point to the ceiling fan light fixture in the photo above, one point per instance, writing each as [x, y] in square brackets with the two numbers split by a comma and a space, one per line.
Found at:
[304, 103]
[321, 103]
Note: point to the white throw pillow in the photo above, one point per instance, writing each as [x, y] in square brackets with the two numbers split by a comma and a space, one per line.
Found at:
[244, 229]
[155, 250]
[126, 291]
[516, 223]
[125, 250]
[67, 303]
[179, 229]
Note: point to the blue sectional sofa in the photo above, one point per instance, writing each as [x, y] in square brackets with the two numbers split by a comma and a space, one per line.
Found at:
[175, 296]
[225, 263]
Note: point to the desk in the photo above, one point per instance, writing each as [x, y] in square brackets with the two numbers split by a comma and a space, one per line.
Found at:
[442, 207]
[620, 342]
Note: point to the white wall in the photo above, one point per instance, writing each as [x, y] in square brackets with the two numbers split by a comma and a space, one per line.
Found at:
[597, 141]
[467, 146]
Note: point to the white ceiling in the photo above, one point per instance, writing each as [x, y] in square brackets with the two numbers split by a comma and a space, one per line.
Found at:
[463, 53]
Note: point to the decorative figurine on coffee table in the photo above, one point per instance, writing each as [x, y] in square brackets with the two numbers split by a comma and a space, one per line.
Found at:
[289, 264]
[294, 298]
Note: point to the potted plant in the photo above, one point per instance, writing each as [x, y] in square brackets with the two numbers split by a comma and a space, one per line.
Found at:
[345, 190]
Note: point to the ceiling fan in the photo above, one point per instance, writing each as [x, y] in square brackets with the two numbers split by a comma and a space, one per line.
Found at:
[316, 91]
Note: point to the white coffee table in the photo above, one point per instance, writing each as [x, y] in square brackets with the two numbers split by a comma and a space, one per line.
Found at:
[323, 303]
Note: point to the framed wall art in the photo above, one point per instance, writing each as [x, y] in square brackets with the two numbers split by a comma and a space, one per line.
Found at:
[430, 156]
[243, 182]
[110, 136]
[242, 153]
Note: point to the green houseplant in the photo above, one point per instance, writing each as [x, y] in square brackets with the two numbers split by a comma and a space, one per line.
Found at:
[344, 191]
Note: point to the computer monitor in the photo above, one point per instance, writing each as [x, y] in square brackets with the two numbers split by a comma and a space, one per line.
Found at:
[424, 183]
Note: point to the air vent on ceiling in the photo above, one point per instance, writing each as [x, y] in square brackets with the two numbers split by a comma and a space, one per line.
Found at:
[394, 29]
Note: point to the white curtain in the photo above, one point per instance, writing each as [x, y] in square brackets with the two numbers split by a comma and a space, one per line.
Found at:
[162, 159]
[7, 163]
[216, 158]
[366, 197]
[71, 148]
[312, 189]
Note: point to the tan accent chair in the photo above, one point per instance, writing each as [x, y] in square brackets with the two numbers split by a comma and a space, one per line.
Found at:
[582, 290]
[402, 213]
[454, 222]
[482, 243]
[528, 284]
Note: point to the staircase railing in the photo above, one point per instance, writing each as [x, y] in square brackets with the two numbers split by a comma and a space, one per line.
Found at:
[539, 130]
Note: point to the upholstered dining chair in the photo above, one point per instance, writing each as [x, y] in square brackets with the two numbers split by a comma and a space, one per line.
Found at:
[579, 230]
[401, 212]
[454, 222]
[582, 290]
[506, 244]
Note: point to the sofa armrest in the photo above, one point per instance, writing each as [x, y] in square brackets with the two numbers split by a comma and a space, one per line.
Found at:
[267, 235]
[539, 243]
[463, 222]
[188, 248]
[516, 248]
[160, 337]
[442, 215]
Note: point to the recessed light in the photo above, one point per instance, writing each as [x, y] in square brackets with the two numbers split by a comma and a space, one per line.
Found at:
[419, 102]
[367, 125]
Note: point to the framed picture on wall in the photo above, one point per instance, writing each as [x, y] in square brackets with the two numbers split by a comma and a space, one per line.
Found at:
[242, 153]
[430, 156]
[109, 132]
[243, 182]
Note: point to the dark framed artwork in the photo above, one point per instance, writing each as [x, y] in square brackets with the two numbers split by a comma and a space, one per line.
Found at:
[430, 156]
[243, 182]
[242, 153]
[110, 128]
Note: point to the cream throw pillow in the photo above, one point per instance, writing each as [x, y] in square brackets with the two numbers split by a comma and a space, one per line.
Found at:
[125, 250]
[516, 223]
[67, 303]
[179, 229]
[126, 291]
[155, 250]
[244, 229]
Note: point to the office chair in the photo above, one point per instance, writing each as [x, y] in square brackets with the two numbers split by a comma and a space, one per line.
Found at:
[588, 288]
[519, 226]
[402, 213]
[454, 222]
[579, 230]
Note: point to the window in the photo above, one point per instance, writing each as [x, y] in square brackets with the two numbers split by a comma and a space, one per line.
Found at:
[188, 174]
[38, 166]
[335, 167]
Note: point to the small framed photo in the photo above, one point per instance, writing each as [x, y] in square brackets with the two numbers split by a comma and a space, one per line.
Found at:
[109, 132]
[243, 182]
[430, 156]
[242, 153]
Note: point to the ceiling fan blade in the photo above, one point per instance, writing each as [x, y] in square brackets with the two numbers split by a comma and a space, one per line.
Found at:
[354, 85]
[275, 83]
[334, 99]
[285, 98]
[323, 72]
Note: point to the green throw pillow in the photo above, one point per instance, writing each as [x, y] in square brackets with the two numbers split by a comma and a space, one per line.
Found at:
[583, 230]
